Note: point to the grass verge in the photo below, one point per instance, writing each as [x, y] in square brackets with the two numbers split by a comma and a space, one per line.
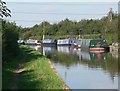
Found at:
[33, 72]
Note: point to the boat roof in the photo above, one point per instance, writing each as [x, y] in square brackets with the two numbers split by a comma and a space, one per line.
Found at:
[49, 39]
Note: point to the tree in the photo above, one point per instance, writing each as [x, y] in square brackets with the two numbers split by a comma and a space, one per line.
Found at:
[4, 11]
[9, 34]
[9, 40]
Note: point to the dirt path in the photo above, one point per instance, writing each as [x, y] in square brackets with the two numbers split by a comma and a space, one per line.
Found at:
[18, 70]
[15, 81]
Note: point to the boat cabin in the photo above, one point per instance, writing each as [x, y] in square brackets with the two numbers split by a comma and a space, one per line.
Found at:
[20, 42]
[33, 42]
[49, 42]
[64, 42]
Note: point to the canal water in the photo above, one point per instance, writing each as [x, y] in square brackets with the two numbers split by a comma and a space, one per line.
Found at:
[82, 69]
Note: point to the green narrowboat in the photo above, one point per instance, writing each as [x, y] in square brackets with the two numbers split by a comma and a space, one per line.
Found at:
[93, 45]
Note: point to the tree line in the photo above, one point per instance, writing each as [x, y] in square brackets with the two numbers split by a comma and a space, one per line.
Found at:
[67, 27]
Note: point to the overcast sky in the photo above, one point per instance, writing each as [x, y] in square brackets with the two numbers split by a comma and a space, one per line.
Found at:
[28, 13]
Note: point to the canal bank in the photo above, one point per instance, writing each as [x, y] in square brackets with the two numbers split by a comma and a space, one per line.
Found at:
[30, 70]
[65, 86]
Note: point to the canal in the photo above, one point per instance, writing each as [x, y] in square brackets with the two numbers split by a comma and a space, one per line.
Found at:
[82, 69]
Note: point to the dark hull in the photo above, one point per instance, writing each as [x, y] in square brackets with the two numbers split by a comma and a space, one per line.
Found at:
[30, 44]
[107, 49]
[63, 44]
[48, 44]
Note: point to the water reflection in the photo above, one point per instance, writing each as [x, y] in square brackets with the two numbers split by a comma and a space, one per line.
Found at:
[84, 70]
[35, 47]
[63, 49]
[48, 49]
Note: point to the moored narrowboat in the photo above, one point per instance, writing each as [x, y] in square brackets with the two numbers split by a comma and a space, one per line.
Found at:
[21, 42]
[49, 42]
[99, 45]
[33, 42]
[64, 42]
[93, 45]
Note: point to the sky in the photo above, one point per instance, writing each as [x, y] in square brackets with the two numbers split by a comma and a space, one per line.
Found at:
[61, 0]
[28, 13]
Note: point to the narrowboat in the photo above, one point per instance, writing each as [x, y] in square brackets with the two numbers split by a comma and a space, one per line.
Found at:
[98, 45]
[64, 42]
[20, 42]
[49, 42]
[33, 42]
[93, 45]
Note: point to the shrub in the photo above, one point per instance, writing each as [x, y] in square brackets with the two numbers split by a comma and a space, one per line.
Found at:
[9, 40]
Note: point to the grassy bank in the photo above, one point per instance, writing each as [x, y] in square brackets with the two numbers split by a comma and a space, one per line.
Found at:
[29, 70]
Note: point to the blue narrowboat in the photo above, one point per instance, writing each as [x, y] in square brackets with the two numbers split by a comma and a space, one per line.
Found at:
[33, 42]
[49, 42]
[64, 42]
[20, 42]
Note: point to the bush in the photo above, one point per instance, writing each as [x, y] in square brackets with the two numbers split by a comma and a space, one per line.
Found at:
[9, 40]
